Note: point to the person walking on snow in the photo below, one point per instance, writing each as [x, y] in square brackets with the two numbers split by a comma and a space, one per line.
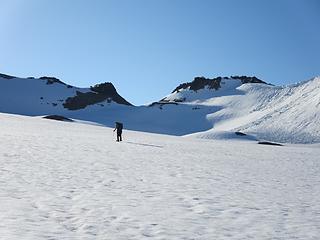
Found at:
[119, 127]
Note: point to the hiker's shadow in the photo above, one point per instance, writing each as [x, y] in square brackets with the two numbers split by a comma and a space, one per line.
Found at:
[145, 144]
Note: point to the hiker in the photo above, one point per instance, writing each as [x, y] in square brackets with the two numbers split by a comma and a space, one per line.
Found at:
[119, 127]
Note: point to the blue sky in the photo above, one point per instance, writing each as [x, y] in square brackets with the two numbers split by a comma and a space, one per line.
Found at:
[147, 47]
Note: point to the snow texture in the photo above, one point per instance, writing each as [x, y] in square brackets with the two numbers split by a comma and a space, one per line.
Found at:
[62, 180]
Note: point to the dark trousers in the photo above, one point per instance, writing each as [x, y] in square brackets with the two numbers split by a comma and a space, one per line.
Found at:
[119, 137]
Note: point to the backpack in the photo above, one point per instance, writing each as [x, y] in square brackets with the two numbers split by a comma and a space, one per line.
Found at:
[119, 126]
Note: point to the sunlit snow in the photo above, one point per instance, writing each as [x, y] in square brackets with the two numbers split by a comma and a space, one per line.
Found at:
[64, 180]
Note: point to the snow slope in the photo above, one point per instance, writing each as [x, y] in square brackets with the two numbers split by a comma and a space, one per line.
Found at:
[289, 114]
[64, 180]
[283, 114]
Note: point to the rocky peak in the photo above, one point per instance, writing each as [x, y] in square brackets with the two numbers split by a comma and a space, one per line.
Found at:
[104, 88]
[214, 83]
[99, 93]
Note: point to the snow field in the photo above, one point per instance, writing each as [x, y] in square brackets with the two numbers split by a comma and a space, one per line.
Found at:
[73, 181]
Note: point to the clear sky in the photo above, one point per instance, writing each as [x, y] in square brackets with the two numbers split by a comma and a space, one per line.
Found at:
[147, 47]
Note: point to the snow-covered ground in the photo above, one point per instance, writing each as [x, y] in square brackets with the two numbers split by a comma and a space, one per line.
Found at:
[64, 180]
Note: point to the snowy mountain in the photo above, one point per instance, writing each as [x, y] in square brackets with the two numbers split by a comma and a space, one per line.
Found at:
[204, 108]
[284, 114]
[46, 95]
[65, 180]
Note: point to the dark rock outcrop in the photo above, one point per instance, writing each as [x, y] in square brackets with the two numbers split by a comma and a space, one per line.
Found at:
[162, 103]
[214, 83]
[245, 79]
[199, 83]
[270, 143]
[58, 118]
[52, 80]
[99, 93]
[6, 76]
